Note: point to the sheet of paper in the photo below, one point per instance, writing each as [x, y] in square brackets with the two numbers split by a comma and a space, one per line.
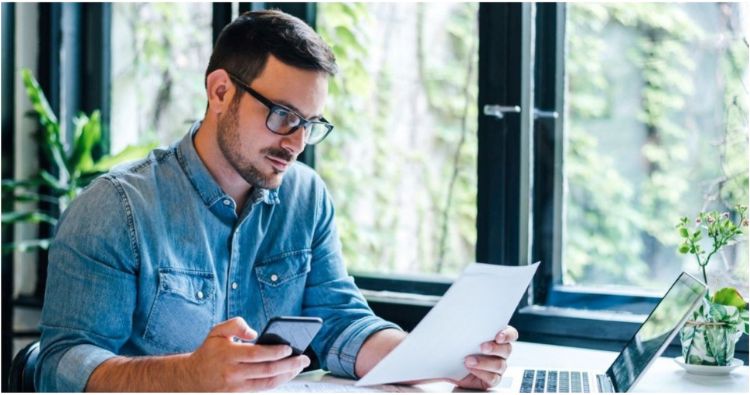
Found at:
[475, 308]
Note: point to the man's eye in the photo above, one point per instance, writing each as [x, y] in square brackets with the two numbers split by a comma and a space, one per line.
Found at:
[281, 112]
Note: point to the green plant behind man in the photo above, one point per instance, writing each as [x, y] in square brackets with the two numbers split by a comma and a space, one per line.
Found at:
[72, 167]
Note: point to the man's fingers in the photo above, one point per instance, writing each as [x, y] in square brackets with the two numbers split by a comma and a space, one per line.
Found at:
[472, 382]
[507, 335]
[488, 378]
[235, 327]
[251, 353]
[272, 369]
[488, 364]
[500, 350]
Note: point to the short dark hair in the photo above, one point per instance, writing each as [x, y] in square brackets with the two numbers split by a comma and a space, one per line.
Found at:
[244, 45]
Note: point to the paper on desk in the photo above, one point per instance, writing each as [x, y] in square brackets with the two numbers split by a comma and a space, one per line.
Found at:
[477, 306]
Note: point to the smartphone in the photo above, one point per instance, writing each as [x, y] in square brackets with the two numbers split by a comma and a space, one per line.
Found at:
[296, 332]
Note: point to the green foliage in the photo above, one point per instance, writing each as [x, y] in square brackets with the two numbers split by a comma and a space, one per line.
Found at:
[362, 164]
[718, 227]
[157, 84]
[72, 168]
[617, 224]
[726, 306]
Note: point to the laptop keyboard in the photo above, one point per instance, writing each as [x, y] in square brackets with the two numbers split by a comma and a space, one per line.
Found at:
[554, 381]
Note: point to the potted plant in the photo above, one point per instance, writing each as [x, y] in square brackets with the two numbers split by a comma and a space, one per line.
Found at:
[73, 166]
[709, 337]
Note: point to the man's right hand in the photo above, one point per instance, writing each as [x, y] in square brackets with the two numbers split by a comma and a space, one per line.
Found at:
[221, 364]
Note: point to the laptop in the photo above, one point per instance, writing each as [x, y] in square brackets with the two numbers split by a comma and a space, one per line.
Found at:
[646, 345]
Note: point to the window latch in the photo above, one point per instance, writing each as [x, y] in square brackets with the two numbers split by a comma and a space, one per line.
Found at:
[545, 114]
[497, 111]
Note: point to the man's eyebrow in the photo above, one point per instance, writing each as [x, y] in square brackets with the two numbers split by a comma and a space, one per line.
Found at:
[292, 107]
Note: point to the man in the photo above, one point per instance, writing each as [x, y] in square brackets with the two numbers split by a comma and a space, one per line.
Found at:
[159, 267]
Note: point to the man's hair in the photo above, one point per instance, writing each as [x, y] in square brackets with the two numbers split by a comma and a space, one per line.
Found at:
[244, 45]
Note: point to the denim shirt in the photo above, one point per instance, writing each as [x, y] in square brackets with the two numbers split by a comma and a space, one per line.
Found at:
[151, 256]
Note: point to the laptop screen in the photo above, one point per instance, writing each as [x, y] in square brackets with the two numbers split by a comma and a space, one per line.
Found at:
[658, 329]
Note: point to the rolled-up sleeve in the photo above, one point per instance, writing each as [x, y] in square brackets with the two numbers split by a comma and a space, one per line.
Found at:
[332, 295]
[90, 295]
[342, 356]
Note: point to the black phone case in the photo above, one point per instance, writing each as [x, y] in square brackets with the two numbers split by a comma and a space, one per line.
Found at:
[296, 332]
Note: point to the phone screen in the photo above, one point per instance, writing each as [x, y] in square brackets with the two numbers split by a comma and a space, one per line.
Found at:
[296, 332]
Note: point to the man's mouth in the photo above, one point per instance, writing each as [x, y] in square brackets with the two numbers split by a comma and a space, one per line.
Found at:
[277, 163]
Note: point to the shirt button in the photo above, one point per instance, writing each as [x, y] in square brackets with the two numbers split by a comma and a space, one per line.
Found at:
[274, 277]
[234, 285]
[227, 202]
[199, 295]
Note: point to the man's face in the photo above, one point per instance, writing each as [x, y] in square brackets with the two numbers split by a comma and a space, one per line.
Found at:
[257, 154]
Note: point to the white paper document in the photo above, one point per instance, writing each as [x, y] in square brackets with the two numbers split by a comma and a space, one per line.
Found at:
[478, 305]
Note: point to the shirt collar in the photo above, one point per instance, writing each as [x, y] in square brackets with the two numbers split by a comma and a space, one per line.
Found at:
[203, 182]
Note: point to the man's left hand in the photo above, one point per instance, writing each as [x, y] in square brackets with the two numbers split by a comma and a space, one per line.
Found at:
[486, 369]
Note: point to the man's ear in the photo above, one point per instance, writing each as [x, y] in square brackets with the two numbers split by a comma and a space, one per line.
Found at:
[220, 91]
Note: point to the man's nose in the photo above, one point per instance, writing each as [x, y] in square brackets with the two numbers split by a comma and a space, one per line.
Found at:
[295, 142]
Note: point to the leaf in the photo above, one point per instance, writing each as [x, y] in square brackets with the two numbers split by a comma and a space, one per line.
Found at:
[32, 216]
[26, 245]
[34, 197]
[729, 297]
[88, 135]
[52, 182]
[131, 152]
[684, 232]
[38, 100]
[52, 143]
[11, 185]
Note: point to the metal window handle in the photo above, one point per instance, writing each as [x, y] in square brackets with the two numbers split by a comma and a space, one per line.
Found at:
[545, 114]
[497, 111]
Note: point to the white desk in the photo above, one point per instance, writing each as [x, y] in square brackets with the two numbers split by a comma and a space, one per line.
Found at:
[663, 376]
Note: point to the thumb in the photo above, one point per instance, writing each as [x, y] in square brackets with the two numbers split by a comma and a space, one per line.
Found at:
[234, 327]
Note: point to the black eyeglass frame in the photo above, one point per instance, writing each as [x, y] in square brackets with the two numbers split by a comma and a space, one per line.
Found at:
[271, 105]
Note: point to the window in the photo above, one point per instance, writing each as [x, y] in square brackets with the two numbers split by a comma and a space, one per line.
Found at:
[655, 129]
[159, 56]
[640, 114]
[401, 163]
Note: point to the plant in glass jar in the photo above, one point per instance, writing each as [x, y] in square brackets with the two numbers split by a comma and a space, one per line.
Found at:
[709, 337]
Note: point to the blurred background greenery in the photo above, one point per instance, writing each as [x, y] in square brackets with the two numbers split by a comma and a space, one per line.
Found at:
[656, 127]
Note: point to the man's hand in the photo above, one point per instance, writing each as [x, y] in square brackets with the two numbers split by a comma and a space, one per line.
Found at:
[221, 364]
[487, 369]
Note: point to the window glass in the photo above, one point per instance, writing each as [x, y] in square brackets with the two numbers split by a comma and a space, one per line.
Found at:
[656, 129]
[159, 56]
[401, 162]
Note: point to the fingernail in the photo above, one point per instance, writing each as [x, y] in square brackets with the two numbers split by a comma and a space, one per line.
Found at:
[470, 362]
[500, 338]
[306, 362]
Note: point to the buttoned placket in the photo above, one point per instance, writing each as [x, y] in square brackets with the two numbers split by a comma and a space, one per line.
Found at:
[233, 293]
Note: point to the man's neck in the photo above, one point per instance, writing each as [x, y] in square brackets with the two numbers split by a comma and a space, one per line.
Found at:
[206, 145]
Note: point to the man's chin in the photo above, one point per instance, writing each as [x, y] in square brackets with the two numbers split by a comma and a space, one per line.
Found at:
[273, 181]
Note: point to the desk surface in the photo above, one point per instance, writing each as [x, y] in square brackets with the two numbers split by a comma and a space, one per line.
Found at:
[663, 376]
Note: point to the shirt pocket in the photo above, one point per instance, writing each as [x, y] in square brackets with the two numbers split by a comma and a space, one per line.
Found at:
[282, 279]
[183, 311]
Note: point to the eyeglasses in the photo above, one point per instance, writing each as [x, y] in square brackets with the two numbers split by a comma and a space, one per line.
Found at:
[284, 121]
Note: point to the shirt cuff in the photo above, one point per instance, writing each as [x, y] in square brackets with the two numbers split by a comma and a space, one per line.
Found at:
[77, 364]
[343, 354]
